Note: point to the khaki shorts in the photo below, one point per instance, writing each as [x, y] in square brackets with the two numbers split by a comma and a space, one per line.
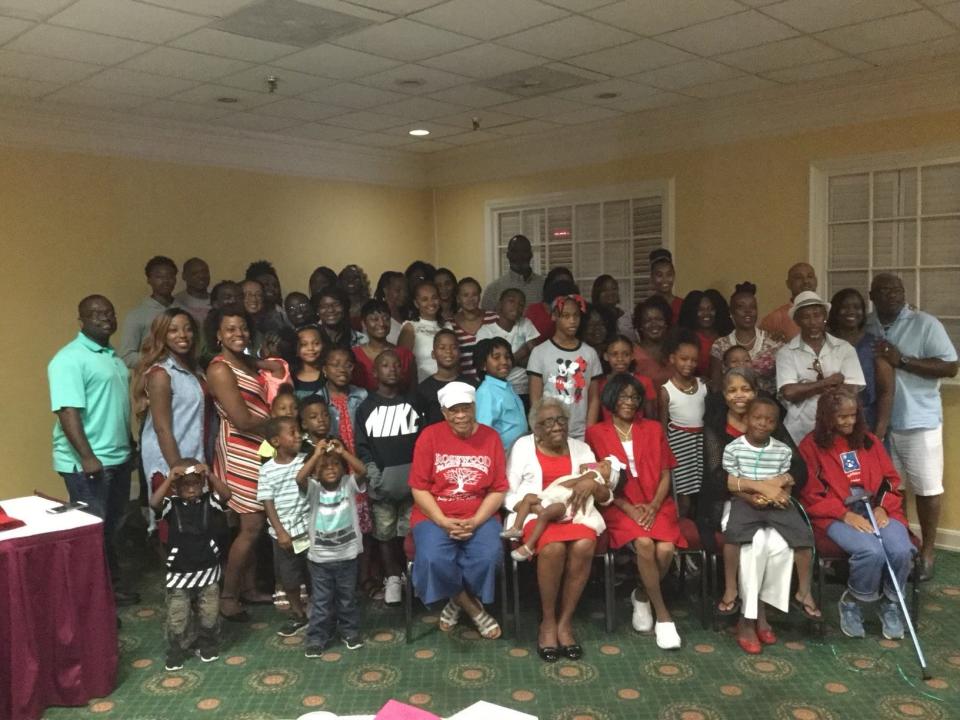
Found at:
[391, 519]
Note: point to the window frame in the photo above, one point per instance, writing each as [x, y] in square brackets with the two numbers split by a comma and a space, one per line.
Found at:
[662, 188]
[821, 171]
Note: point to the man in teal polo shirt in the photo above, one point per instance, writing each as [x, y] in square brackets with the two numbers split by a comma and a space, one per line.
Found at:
[917, 346]
[91, 439]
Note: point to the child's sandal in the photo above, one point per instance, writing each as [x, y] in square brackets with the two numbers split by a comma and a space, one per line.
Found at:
[512, 533]
[449, 616]
[487, 626]
[522, 553]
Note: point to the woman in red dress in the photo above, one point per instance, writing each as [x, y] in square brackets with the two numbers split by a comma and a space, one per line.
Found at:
[565, 550]
[643, 512]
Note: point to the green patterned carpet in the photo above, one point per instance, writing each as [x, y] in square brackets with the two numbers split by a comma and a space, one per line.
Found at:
[261, 676]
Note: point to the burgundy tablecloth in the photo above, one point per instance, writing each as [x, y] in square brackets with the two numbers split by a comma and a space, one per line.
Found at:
[58, 623]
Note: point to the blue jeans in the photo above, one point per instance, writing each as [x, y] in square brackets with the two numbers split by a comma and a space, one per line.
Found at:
[868, 569]
[106, 496]
[334, 601]
[443, 566]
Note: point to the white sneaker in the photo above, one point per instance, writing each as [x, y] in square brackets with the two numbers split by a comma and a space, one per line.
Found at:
[667, 637]
[392, 590]
[642, 614]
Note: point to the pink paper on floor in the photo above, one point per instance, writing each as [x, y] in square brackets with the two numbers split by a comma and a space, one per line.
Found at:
[394, 710]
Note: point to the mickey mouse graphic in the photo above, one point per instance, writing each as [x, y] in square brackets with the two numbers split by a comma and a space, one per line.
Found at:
[569, 380]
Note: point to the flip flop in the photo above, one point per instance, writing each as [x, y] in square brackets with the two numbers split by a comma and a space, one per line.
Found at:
[807, 607]
[733, 607]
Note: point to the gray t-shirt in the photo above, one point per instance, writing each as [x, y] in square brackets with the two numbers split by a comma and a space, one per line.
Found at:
[333, 524]
[567, 375]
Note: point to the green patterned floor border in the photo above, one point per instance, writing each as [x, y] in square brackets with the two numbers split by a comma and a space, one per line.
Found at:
[261, 676]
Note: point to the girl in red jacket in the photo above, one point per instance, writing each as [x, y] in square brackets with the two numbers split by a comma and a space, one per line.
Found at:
[845, 460]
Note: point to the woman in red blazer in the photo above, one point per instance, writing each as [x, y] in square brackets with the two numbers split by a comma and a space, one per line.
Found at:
[845, 460]
[643, 512]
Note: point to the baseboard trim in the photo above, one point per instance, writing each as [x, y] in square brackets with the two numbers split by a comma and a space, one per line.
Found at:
[947, 539]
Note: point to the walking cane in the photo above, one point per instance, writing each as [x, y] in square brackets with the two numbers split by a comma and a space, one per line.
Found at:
[865, 499]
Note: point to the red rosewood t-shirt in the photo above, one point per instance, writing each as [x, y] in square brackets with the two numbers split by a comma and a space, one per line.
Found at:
[458, 472]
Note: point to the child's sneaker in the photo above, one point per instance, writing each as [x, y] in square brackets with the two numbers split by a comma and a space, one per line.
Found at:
[354, 643]
[292, 626]
[208, 654]
[392, 590]
[175, 660]
[313, 651]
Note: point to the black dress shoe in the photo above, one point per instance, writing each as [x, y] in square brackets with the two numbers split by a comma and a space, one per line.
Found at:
[124, 599]
[572, 652]
[548, 654]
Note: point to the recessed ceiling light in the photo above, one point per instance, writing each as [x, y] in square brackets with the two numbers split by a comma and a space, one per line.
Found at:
[227, 99]
[607, 95]
[410, 82]
[419, 132]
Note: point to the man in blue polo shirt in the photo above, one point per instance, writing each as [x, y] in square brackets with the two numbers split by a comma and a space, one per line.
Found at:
[91, 439]
[917, 346]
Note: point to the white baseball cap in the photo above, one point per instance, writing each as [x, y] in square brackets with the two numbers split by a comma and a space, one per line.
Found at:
[456, 393]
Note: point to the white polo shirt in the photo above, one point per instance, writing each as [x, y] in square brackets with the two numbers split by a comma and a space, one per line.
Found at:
[795, 365]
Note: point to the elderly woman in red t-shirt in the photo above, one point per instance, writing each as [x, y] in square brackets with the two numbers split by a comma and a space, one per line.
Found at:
[458, 481]
[565, 550]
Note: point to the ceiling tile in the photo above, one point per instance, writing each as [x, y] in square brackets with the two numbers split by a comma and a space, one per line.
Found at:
[211, 8]
[579, 5]
[11, 27]
[36, 67]
[758, 3]
[624, 90]
[951, 12]
[539, 107]
[405, 40]
[488, 119]
[484, 60]
[217, 42]
[137, 83]
[652, 17]
[686, 74]
[124, 18]
[299, 109]
[729, 33]
[73, 44]
[396, 7]
[186, 112]
[351, 95]
[536, 81]
[94, 97]
[209, 94]
[888, 32]
[419, 108]
[32, 9]
[427, 146]
[472, 137]
[649, 102]
[585, 115]
[747, 83]
[349, 7]
[185, 64]
[366, 120]
[317, 131]
[631, 58]
[816, 15]
[526, 127]
[817, 70]
[21, 87]
[379, 140]
[565, 38]
[490, 18]
[780, 54]
[914, 51]
[473, 96]
[289, 82]
[430, 80]
[335, 62]
[259, 123]
[290, 23]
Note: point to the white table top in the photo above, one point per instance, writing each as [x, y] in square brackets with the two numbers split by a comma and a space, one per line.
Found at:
[33, 511]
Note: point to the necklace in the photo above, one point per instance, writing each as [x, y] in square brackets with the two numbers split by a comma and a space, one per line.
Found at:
[692, 390]
[751, 341]
[624, 436]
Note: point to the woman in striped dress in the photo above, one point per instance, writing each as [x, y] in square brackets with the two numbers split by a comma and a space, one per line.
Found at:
[467, 321]
[240, 397]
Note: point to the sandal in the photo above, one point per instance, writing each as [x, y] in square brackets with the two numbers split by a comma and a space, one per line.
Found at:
[449, 616]
[729, 608]
[807, 607]
[522, 553]
[487, 626]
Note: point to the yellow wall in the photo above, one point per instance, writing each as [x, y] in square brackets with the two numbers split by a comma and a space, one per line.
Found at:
[741, 213]
[72, 225]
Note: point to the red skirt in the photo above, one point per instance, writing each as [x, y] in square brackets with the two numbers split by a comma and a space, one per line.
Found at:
[558, 532]
[622, 530]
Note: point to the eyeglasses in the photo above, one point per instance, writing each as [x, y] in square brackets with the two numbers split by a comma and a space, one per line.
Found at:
[549, 422]
[818, 368]
[629, 398]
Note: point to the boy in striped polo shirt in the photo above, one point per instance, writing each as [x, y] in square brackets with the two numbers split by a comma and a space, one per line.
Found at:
[286, 509]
